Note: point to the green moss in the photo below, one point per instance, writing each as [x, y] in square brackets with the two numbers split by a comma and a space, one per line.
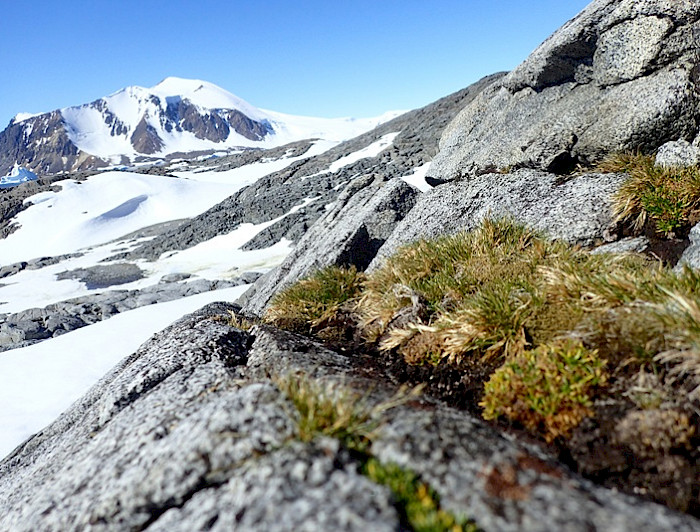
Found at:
[548, 390]
[417, 502]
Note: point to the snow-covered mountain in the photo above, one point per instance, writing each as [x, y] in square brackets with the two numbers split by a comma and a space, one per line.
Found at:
[177, 117]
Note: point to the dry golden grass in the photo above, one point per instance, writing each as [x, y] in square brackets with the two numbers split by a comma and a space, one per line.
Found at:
[503, 294]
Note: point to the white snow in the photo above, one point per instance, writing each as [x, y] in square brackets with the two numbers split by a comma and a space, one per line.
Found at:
[248, 174]
[417, 178]
[205, 95]
[372, 150]
[41, 381]
[21, 117]
[103, 208]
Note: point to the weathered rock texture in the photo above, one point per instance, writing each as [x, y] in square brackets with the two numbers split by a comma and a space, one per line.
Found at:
[691, 256]
[350, 233]
[622, 75]
[189, 434]
[577, 210]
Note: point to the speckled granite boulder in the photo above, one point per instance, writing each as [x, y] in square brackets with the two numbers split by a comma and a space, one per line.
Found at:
[619, 76]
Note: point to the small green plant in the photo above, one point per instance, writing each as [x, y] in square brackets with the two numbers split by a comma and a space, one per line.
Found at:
[336, 413]
[416, 500]
[670, 197]
[548, 390]
[314, 302]
[344, 415]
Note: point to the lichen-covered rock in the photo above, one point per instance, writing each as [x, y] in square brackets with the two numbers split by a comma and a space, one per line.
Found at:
[577, 210]
[300, 487]
[619, 76]
[678, 153]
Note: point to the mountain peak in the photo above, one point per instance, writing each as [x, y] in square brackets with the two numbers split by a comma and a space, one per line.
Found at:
[204, 94]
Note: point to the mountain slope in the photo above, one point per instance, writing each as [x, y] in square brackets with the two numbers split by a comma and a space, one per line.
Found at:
[137, 124]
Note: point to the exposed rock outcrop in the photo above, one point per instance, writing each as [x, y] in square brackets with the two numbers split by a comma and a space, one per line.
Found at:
[622, 75]
[350, 233]
[189, 433]
[577, 210]
[33, 325]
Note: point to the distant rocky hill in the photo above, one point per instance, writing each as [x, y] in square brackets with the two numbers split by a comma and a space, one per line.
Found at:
[200, 429]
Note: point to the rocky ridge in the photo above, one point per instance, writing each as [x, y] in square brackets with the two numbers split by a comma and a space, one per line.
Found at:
[277, 194]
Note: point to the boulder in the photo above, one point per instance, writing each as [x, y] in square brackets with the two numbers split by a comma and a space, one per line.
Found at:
[691, 255]
[619, 76]
[678, 153]
[577, 210]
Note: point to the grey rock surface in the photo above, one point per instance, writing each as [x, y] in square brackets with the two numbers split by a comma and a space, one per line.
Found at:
[189, 433]
[350, 233]
[619, 76]
[577, 210]
[626, 245]
[691, 256]
[678, 153]
[103, 276]
[309, 182]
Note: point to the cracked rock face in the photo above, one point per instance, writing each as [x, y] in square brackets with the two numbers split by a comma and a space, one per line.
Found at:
[620, 76]
[189, 433]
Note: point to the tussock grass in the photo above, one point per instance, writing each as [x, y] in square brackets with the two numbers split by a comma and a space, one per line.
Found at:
[477, 288]
[561, 323]
[669, 197]
[313, 303]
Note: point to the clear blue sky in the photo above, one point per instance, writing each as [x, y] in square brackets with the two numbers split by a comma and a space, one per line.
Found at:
[318, 58]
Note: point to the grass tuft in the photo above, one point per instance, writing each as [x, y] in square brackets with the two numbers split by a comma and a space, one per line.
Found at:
[324, 411]
[314, 303]
[669, 197]
[504, 295]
